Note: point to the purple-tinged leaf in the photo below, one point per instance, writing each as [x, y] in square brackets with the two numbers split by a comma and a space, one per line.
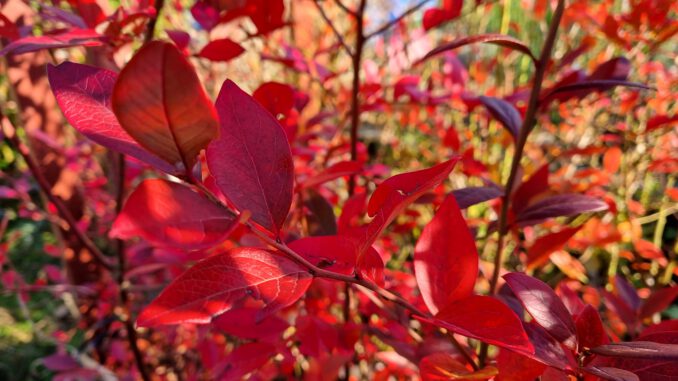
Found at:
[505, 113]
[617, 305]
[627, 292]
[561, 205]
[547, 350]
[658, 301]
[84, 95]
[590, 330]
[612, 374]
[639, 350]
[475, 195]
[591, 85]
[445, 258]
[73, 37]
[216, 284]
[497, 39]
[544, 306]
[157, 211]
[251, 160]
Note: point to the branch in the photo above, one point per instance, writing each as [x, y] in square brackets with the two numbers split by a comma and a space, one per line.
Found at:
[396, 20]
[150, 29]
[344, 8]
[10, 133]
[329, 22]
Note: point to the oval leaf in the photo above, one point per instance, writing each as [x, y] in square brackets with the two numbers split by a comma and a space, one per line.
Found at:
[559, 206]
[475, 195]
[443, 366]
[214, 285]
[221, 50]
[157, 212]
[505, 113]
[160, 102]
[544, 306]
[639, 350]
[251, 160]
[484, 318]
[612, 374]
[84, 95]
[445, 258]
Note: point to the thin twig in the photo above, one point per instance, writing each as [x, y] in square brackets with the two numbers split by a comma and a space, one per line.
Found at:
[150, 29]
[344, 8]
[11, 134]
[388, 25]
[329, 22]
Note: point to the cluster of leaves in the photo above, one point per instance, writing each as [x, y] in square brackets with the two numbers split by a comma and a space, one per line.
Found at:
[229, 206]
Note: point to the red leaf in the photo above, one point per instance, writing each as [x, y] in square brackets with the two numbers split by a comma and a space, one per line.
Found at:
[242, 323]
[371, 267]
[639, 350]
[276, 97]
[180, 38]
[245, 359]
[658, 301]
[84, 95]
[222, 50]
[474, 195]
[395, 194]
[588, 86]
[333, 253]
[215, 284]
[538, 253]
[443, 367]
[547, 350]
[613, 374]
[157, 211]
[497, 39]
[559, 206]
[341, 169]
[315, 336]
[517, 367]
[73, 37]
[445, 258]
[537, 184]
[486, 319]
[160, 102]
[590, 329]
[251, 160]
[505, 113]
[544, 306]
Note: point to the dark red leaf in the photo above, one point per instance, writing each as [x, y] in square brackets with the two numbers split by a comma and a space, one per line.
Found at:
[445, 258]
[547, 350]
[245, 359]
[443, 367]
[157, 212]
[591, 85]
[371, 267]
[612, 374]
[222, 50]
[474, 195]
[497, 39]
[538, 253]
[180, 38]
[484, 318]
[84, 95]
[658, 301]
[559, 206]
[242, 323]
[341, 169]
[505, 113]
[544, 306]
[315, 336]
[72, 37]
[251, 160]
[639, 350]
[590, 329]
[276, 97]
[159, 100]
[517, 367]
[216, 284]
[537, 184]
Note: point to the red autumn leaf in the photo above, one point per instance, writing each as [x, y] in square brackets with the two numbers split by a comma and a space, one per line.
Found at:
[315, 336]
[443, 367]
[505, 113]
[334, 253]
[484, 318]
[612, 374]
[216, 284]
[658, 301]
[612, 160]
[371, 267]
[474, 195]
[445, 258]
[590, 329]
[639, 350]
[242, 322]
[585, 87]
[335, 171]
[535, 185]
[517, 367]
[547, 350]
[84, 95]
[395, 194]
[157, 212]
[246, 359]
[538, 253]
[72, 37]
[561, 205]
[655, 358]
[544, 306]
[276, 97]
[450, 10]
[353, 209]
[267, 15]
[180, 38]
[497, 39]
[251, 160]
[160, 102]
[222, 50]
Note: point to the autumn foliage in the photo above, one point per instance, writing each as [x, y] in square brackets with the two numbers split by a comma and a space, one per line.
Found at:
[306, 189]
